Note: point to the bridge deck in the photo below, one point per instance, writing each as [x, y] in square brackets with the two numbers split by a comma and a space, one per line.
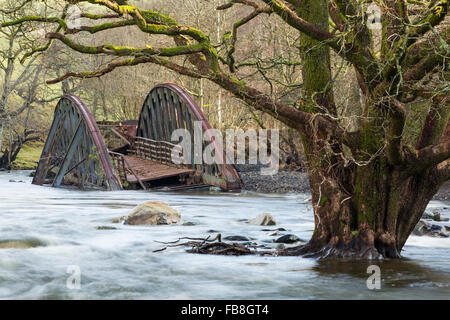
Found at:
[148, 170]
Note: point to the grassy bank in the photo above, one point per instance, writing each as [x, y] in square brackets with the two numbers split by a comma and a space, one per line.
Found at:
[28, 157]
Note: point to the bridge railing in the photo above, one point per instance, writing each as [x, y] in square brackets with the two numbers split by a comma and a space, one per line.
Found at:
[158, 151]
[124, 168]
[161, 152]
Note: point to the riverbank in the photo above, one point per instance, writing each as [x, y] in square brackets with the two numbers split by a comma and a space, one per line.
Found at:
[285, 181]
[28, 157]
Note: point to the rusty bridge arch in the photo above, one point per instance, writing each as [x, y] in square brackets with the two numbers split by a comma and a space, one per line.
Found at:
[75, 152]
[168, 107]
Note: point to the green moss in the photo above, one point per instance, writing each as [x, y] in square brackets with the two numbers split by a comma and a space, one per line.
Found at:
[180, 50]
[111, 25]
[360, 217]
[355, 233]
[126, 9]
[157, 28]
[316, 58]
[323, 200]
[155, 17]
[28, 157]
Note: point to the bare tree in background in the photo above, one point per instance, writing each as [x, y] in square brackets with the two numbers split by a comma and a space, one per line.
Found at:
[20, 85]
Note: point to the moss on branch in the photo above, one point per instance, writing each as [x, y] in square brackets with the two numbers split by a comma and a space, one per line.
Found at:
[22, 20]
[127, 51]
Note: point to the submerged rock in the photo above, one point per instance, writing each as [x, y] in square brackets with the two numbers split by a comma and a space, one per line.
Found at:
[236, 238]
[18, 181]
[119, 220]
[264, 219]
[437, 216]
[20, 244]
[423, 228]
[189, 224]
[427, 215]
[106, 228]
[289, 238]
[153, 213]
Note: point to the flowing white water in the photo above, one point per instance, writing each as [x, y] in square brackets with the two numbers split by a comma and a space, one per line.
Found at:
[120, 264]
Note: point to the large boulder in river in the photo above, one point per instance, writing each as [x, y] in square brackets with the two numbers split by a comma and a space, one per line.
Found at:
[153, 213]
[264, 219]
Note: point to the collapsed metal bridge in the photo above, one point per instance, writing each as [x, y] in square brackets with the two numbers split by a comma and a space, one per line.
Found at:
[75, 153]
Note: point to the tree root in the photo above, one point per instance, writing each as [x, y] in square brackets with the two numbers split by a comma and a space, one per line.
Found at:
[217, 247]
[333, 252]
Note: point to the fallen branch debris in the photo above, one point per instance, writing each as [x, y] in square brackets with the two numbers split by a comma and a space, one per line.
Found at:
[217, 247]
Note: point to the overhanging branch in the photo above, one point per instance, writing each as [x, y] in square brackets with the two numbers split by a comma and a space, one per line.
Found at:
[127, 51]
[127, 63]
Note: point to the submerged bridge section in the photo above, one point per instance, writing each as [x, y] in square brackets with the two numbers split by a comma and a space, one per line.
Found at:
[76, 154]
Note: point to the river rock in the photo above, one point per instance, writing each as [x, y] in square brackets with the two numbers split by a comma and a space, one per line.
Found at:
[437, 216]
[288, 238]
[20, 244]
[423, 228]
[427, 215]
[264, 219]
[236, 238]
[106, 228]
[119, 220]
[153, 213]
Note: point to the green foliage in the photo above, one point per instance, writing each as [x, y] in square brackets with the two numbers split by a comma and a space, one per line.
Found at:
[28, 157]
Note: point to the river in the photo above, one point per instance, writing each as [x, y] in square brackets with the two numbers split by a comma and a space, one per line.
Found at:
[121, 264]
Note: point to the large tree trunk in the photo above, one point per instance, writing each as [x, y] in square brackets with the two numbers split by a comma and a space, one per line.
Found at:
[372, 218]
[365, 208]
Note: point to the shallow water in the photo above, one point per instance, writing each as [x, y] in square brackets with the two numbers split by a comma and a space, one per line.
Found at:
[120, 264]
